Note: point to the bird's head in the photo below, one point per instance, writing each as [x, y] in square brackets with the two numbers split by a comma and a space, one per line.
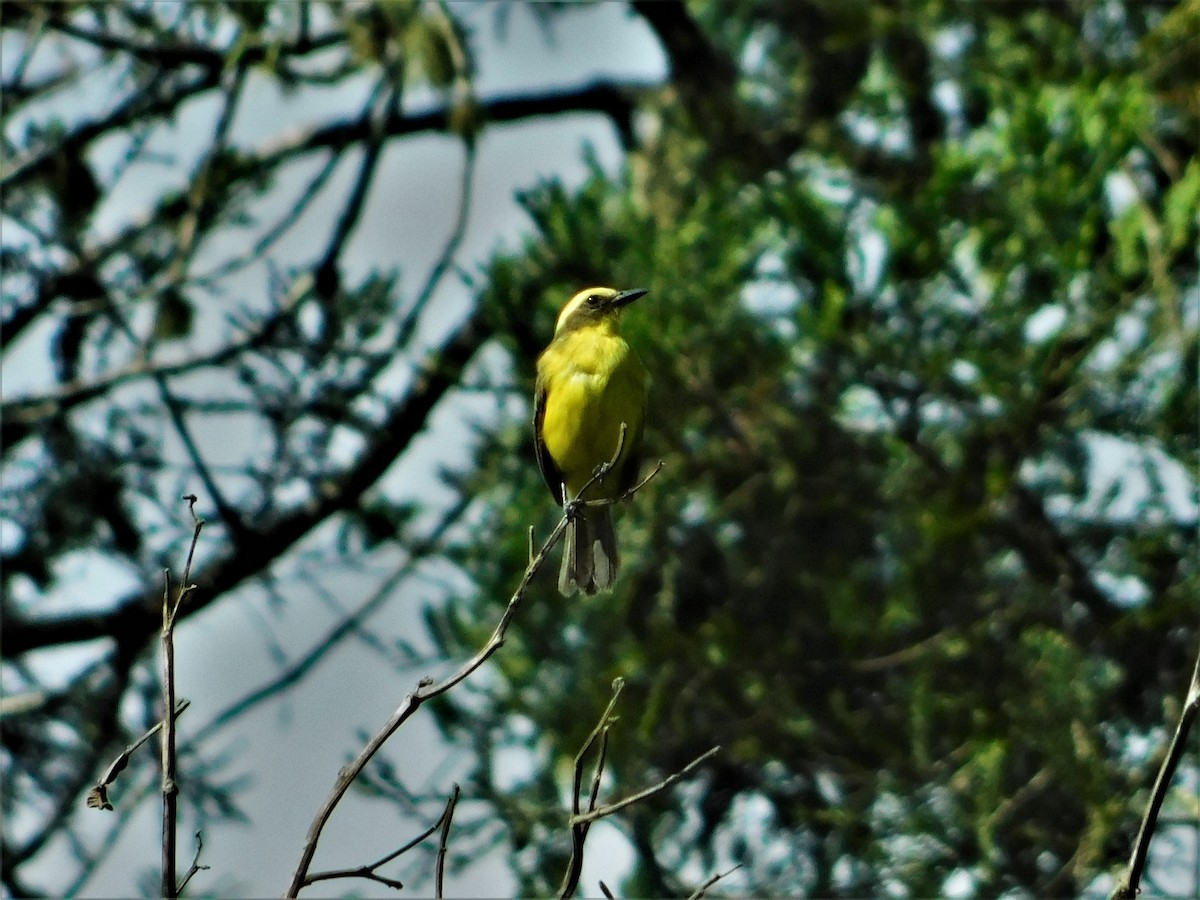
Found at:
[593, 306]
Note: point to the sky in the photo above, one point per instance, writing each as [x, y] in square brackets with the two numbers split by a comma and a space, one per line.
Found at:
[290, 750]
[286, 755]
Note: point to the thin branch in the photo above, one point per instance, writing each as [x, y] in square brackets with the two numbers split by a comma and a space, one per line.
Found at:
[604, 722]
[186, 586]
[227, 512]
[97, 797]
[170, 790]
[132, 619]
[579, 832]
[703, 889]
[613, 99]
[609, 501]
[439, 872]
[605, 811]
[369, 872]
[1128, 887]
[598, 774]
[195, 866]
[426, 689]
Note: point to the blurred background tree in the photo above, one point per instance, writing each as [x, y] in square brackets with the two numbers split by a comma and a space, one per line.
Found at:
[923, 333]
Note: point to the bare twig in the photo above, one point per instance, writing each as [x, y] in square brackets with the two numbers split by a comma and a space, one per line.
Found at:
[97, 797]
[426, 689]
[439, 873]
[170, 791]
[703, 889]
[604, 811]
[629, 493]
[572, 506]
[1128, 887]
[579, 831]
[195, 866]
[601, 758]
[368, 871]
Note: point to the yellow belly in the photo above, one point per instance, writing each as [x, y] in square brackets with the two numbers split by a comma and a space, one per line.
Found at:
[593, 384]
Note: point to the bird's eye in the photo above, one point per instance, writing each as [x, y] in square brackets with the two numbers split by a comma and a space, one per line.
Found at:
[593, 300]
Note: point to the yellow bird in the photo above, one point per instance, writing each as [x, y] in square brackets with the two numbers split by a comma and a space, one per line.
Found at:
[589, 382]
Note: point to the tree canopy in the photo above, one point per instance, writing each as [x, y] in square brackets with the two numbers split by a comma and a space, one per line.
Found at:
[923, 334]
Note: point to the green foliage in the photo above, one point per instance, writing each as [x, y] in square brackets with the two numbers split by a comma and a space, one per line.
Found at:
[923, 334]
[869, 569]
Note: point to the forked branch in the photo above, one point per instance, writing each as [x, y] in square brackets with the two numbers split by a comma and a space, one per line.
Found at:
[425, 690]
[581, 820]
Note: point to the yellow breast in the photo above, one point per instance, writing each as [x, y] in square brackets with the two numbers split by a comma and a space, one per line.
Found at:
[594, 382]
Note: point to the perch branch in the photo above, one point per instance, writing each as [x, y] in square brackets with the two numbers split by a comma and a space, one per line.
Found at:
[1128, 887]
[425, 690]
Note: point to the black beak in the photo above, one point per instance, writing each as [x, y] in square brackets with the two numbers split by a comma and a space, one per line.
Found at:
[626, 297]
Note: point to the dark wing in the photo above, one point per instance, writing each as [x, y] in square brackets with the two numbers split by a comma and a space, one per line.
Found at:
[545, 463]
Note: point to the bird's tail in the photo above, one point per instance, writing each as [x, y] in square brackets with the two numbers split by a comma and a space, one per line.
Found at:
[590, 557]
